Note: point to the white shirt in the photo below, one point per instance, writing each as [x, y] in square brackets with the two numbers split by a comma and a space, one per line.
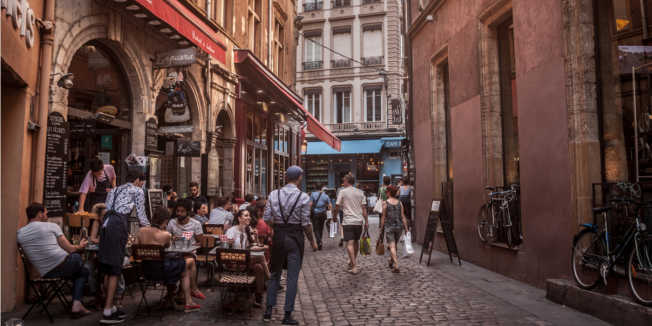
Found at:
[352, 201]
[39, 240]
[220, 216]
[177, 229]
[239, 238]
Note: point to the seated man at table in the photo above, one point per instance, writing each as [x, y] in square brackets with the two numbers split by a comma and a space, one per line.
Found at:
[52, 254]
[221, 215]
[242, 236]
[180, 224]
[173, 268]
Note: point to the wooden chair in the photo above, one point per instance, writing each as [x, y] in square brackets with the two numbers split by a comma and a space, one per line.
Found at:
[45, 289]
[217, 229]
[235, 276]
[143, 253]
[203, 258]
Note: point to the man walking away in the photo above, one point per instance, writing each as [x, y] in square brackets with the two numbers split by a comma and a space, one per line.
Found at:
[320, 203]
[352, 202]
[288, 213]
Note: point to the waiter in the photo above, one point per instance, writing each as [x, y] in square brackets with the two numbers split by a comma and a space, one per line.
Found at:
[96, 185]
[288, 213]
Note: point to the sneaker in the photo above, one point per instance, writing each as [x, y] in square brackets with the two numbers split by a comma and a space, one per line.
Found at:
[120, 313]
[191, 307]
[288, 320]
[267, 316]
[112, 319]
[197, 294]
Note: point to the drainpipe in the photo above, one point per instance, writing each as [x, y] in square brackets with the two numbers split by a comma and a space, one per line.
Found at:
[408, 49]
[644, 19]
[47, 41]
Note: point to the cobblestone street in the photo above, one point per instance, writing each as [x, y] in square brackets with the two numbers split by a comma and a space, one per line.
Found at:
[439, 294]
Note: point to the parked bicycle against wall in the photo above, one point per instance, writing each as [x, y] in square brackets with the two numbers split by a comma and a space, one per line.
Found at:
[593, 257]
[495, 216]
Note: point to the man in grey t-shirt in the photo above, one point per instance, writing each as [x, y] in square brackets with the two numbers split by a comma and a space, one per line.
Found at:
[52, 254]
[352, 202]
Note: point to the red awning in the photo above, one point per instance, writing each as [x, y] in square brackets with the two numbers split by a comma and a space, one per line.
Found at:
[246, 58]
[185, 23]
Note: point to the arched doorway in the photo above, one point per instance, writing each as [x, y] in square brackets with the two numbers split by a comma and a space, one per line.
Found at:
[224, 150]
[99, 112]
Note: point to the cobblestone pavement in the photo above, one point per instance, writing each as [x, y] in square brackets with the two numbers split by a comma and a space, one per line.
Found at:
[419, 295]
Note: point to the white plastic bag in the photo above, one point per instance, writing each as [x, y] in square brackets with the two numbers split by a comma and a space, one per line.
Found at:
[329, 214]
[378, 208]
[409, 250]
[332, 232]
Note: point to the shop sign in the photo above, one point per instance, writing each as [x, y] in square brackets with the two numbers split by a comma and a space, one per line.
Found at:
[176, 58]
[22, 17]
[188, 148]
[394, 143]
[56, 160]
[151, 135]
[175, 130]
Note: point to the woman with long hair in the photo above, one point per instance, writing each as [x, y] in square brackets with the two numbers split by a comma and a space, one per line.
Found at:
[392, 223]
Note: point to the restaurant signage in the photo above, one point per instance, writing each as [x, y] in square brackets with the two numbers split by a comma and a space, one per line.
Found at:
[56, 160]
[176, 58]
[22, 18]
[155, 200]
[151, 135]
[188, 148]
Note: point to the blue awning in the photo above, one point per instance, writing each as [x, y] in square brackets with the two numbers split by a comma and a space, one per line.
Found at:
[361, 146]
[392, 142]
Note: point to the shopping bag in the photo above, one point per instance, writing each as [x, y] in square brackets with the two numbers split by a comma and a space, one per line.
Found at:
[329, 214]
[378, 208]
[365, 244]
[409, 250]
[332, 231]
[380, 244]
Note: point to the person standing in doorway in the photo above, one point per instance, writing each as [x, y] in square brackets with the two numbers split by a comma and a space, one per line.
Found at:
[392, 223]
[320, 203]
[288, 213]
[196, 198]
[120, 202]
[96, 185]
[352, 202]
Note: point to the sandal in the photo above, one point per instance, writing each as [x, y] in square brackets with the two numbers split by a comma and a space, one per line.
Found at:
[396, 270]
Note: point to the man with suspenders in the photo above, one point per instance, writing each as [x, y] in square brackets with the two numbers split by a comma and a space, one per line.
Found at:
[288, 213]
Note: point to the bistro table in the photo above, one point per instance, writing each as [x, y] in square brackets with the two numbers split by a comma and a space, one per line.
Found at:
[182, 250]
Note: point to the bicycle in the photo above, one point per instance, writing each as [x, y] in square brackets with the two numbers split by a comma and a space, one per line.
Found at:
[495, 215]
[593, 259]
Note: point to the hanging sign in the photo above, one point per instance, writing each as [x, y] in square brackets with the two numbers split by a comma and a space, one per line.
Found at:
[176, 58]
[56, 161]
[188, 148]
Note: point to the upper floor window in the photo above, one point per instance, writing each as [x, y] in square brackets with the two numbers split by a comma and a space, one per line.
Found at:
[373, 103]
[364, 2]
[279, 39]
[372, 44]
[254, 26]
[341, 44]
[223, 13]
[312, 102]
[312, 55]
[311, 5]
[341, 3]
[342, 105]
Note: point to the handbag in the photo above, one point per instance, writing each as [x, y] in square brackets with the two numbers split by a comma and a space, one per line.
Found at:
[380, 244]
[365, 244]
[378, 208]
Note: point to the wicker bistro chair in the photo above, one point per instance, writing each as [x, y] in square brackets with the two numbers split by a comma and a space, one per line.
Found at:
[217, 229]
[235, 277]
[45, 289]
[205, 259]
[142, 253]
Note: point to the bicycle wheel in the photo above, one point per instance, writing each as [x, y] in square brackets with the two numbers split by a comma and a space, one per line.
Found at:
[484, 224]
[588, 253]
[639, 270]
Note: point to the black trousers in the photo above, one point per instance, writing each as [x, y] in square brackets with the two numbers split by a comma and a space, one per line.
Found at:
[318, 220]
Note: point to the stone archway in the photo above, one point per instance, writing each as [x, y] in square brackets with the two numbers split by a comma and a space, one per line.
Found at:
[223, 151]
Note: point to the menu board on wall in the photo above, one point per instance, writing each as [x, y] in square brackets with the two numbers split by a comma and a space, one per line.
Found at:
[155, 199]
[56, 161]
[151, 135]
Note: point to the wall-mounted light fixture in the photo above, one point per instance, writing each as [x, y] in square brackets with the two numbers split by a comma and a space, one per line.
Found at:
[66, 80]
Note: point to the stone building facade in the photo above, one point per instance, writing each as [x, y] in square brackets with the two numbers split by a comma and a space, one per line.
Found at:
[350, 71]
[519, 92]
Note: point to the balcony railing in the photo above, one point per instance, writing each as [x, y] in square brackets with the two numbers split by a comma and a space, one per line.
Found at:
[341, 63]
[356, 126]
[312, 6]
[312, 65]
[366, 2]
[368, 61]
[341, 3]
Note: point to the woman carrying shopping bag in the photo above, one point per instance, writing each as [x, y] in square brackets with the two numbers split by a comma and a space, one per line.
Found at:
[393, 222]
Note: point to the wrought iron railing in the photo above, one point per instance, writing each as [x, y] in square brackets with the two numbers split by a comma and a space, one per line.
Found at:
[312, 65]
[365, 2]
[341, 3]
[312, 6]
[368, 61]
[356, 126]
[341, 63]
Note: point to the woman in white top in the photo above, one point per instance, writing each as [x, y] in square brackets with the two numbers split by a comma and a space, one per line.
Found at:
[243, 236]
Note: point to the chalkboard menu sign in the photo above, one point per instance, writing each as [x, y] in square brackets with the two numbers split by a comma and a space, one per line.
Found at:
[155, 199]
[151, 135]
[56, 161]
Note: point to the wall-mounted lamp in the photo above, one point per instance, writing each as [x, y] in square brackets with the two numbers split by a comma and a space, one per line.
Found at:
[66, 80]
[304, 146]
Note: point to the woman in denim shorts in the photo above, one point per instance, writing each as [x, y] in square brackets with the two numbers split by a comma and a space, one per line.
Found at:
[393, 222]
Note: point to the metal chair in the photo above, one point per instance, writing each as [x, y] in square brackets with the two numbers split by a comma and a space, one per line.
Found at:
[203, 258]
[45, 289]
[235, 276]
[216, 229]
[142, 253]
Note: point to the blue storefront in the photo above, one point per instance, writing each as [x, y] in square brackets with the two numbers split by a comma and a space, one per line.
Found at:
[369, 160]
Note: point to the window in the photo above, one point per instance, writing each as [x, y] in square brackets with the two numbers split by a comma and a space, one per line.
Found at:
[256, 155]
[372, 44]
[444, 80]
[341, 3]
[312, 5]
[622, 15]
[342, 105]
[253, 24]
[312, 56]
[373, 103]
[341, 44]
[279, 37]
[312, 101]
[222, 13]
[507, 69]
